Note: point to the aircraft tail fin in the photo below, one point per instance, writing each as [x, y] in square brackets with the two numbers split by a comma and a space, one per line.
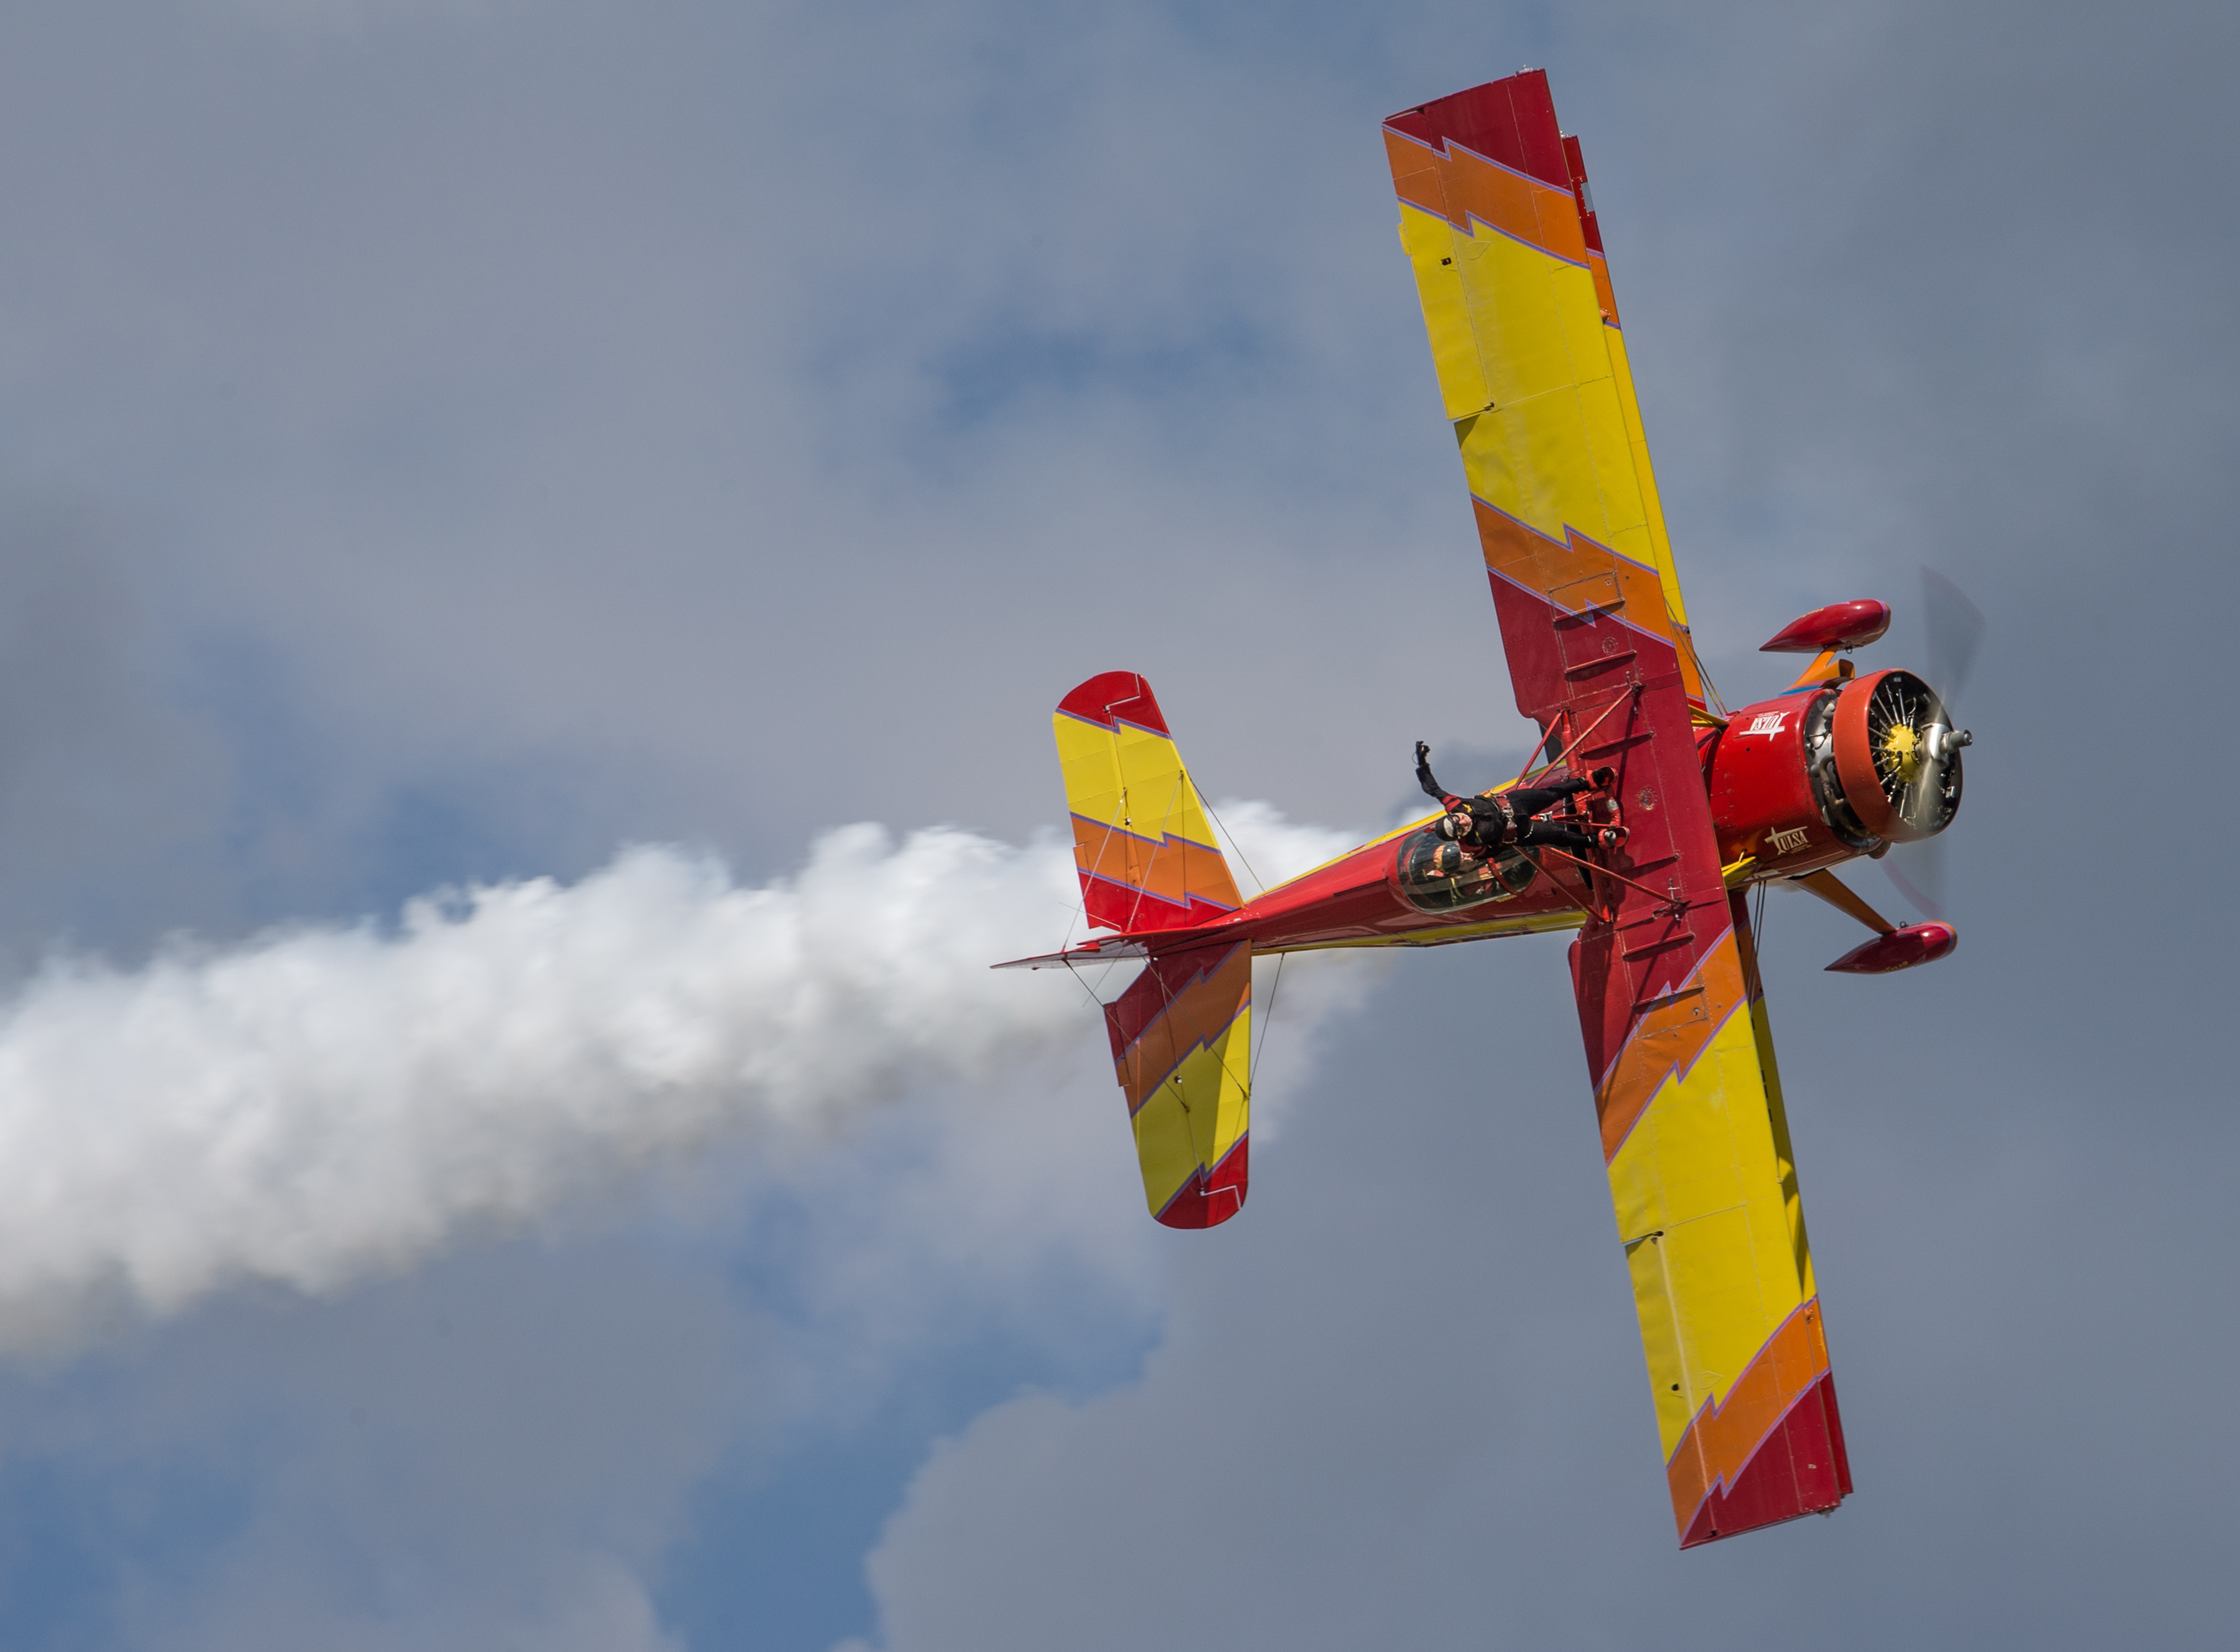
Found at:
[1182, 1041]
[1141, 841]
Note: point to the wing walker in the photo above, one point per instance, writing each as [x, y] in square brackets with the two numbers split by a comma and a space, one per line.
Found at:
[1647, 814]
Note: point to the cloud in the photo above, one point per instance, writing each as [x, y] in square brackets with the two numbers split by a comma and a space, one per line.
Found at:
[495, 1447]
[1357, 1379]
[501, 1442]
[1402, 1397]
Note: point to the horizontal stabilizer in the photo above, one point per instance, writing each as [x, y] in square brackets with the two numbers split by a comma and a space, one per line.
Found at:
[1181, 1043]
[1112, 948]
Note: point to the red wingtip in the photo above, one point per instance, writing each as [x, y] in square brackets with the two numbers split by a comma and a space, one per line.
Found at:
[1115, 696]
[1210, 1199]
[1801, 1469]
[1511, 122]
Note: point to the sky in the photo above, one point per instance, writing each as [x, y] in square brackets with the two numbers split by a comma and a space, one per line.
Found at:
[606, 455]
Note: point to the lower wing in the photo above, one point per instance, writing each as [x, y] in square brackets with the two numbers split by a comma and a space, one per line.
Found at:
[1704, 1186]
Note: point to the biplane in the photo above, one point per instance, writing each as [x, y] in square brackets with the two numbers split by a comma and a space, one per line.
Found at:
[1501, 232]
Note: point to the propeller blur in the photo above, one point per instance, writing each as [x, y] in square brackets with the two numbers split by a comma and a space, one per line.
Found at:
[1955, 627]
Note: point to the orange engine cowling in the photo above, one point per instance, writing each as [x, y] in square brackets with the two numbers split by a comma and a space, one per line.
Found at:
[1834, 769]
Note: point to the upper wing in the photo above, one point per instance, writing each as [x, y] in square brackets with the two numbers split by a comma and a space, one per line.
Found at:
[1532, 367]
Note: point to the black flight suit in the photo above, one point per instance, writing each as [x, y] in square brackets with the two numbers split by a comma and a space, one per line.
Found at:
[1492, 825]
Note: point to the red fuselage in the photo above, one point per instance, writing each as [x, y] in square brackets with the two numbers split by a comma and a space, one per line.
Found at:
[1788, 794]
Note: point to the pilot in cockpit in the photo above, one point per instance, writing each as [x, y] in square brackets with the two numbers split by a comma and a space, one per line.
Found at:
[1483, 825]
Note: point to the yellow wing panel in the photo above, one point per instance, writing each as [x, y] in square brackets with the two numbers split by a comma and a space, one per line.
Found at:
[1531, 363]
[1704, 1189]
[1704, 1203]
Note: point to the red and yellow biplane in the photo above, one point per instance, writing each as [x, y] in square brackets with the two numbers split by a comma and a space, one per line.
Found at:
[1497, 223]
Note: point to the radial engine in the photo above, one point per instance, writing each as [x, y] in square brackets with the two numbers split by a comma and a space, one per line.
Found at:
[1841, 764]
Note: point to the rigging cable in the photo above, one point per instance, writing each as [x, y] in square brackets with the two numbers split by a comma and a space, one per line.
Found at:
[1267, 1028]
[1224, 827]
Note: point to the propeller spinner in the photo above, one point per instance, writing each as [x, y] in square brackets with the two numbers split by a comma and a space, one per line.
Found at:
[1956, 629]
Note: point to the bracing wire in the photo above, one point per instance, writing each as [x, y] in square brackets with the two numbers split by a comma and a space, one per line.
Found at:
[1267, 1026]
[1711, 689]
[1223, 827]
[1073, 970]
[1756, 983]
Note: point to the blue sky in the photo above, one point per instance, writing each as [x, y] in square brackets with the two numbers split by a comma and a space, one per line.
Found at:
[444, 440]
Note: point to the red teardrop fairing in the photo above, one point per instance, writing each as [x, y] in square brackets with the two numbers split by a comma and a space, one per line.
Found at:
[1899, 950]
[1839, 625]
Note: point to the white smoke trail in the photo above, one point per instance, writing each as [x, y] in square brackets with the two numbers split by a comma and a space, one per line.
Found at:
[318, 1104]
